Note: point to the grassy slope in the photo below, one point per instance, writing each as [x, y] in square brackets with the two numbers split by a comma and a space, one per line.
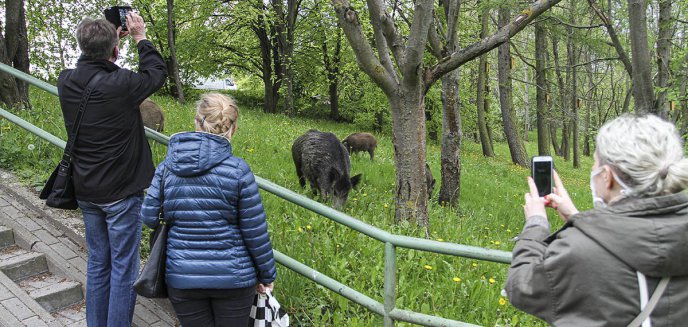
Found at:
[489, 216]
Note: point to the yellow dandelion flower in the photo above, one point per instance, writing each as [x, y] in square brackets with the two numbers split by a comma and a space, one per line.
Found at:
[440, 240]
[355, 199]
[300, 230]
[508, 230]
[491, 280]
[428, 267]
[365, 194]
[502, 301]
[456, 279]
[475, 264]
[251, 150]
[308, 227]
[498, 242]
[502, 225]
[386, 206]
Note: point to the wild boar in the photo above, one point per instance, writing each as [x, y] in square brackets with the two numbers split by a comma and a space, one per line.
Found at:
[321, 159]
[361, 142]
[429, 180]
[152, 115]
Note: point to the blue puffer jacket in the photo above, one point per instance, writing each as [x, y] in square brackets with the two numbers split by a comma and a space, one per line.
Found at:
[218, 237]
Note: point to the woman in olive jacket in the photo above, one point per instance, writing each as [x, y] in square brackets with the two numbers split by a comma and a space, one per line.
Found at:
[603, 263]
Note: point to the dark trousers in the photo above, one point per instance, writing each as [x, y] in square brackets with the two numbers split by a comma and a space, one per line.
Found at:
[212, 307]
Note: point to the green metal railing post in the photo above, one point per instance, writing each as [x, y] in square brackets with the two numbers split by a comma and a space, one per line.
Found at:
[390, 282]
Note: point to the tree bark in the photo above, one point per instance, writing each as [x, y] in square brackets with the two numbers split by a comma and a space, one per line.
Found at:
[451, 140]
[664, 35]
[616, 43]
[482, 90]
[564, 148]
[541, 90]
[285, 28]
[270, 62]
[17, 48]
[513, 138]
[9, 94]
[572, 56]
[177, 90]
[332, 69]
[643, 93]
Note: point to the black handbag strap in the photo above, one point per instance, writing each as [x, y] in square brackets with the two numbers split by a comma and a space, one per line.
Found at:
[71, 140]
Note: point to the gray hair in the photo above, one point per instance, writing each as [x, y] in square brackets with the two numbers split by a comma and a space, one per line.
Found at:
[646, 153]
[97, 38]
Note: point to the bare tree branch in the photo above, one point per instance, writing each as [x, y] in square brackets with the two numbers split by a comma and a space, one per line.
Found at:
[560, 21]
[473, 51]
[376, 10]
[388, 29]
[415, 48]
[616, 43]
[367, 60]
[521, 56]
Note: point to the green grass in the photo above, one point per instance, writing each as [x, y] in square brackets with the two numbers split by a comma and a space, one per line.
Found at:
[489, 215]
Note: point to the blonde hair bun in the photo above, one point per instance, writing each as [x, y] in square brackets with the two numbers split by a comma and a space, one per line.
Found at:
[219, 112]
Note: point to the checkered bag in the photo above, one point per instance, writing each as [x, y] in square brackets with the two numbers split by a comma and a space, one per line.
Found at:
[266, 312]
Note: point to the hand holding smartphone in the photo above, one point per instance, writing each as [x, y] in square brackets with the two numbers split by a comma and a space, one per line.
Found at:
[542, 167]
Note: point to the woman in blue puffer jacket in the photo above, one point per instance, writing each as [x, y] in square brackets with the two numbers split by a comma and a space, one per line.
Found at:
[218, 249]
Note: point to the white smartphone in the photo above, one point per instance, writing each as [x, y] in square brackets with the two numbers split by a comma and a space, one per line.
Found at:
[542, 174]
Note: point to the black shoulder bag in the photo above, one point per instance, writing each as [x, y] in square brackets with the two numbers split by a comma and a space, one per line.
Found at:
[151, 282]
[58, 191]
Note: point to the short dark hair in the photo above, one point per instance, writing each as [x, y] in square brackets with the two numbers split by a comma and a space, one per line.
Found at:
[97, 38]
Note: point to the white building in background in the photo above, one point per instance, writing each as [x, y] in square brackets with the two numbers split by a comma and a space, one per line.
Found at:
[213, 83]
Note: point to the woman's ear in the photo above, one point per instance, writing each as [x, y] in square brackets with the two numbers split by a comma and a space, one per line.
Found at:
[609, 180]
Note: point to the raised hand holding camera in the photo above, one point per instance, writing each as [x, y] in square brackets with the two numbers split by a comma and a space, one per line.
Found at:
[136, 26]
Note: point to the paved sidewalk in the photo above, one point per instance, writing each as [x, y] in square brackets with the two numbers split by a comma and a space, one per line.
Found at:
[59, 235]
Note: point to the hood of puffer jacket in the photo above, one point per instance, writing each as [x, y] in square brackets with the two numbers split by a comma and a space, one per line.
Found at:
[648, 234]
[194, 153]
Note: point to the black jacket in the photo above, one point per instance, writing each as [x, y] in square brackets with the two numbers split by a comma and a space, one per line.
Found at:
[111, 157]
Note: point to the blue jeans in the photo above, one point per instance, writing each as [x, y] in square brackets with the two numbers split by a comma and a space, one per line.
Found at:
[113, 234]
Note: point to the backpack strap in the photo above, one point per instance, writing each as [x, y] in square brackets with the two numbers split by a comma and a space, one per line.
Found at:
[644, 317]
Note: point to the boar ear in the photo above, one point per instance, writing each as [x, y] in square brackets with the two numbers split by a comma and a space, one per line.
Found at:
[355, 180]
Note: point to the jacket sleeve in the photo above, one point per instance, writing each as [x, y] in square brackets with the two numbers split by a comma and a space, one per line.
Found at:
[151, 204]
[151, 75]
[527, 285]
[254, 228]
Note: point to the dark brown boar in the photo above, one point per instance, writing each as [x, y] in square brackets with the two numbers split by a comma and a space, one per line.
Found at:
[361, 142]
[152, 115]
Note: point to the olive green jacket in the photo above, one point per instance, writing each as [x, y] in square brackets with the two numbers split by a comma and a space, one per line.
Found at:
[585, 273]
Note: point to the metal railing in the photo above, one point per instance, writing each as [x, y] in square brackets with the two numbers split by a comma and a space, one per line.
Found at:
[386, 309]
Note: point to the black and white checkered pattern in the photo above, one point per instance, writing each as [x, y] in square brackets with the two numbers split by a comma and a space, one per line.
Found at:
[266, 312]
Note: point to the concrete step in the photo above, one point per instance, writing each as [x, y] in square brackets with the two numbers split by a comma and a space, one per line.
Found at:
[52, 292]
[72, 316]
[18, 263]
[6, 237]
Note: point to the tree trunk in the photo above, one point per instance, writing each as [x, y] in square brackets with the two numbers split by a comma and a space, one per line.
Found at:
[483, 89]
[518, 153]
[17, 50]
[332, 70]
[451, 140]
[666, 31]
[572, 56]
[643, 93]
[177, 90]
[269, 65]
[627, 98]
[551, 122]
[9, 94]
[408, 114]
[541, 90]
[285, 28]
[564, 148]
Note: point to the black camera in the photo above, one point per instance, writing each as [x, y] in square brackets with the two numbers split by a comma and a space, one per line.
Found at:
[118, 15]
